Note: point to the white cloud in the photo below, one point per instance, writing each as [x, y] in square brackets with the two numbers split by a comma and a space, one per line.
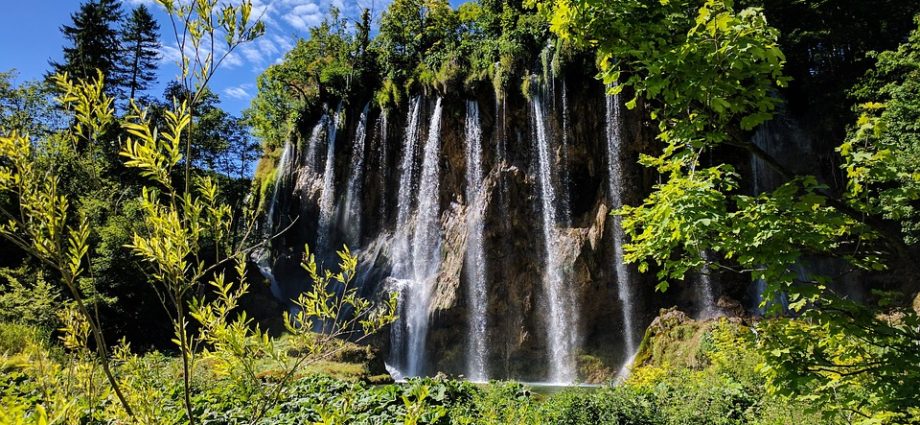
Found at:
[148, 3]
[285, 21]
[304, 16]
[238, 92]
[284, 44]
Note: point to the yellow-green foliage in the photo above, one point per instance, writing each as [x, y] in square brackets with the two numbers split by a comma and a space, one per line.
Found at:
[26, 297]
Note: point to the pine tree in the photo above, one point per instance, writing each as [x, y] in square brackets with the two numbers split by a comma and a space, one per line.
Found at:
[94, 43]
[140, 39]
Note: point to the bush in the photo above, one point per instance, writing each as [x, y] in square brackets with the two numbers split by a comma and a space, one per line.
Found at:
[25, 297]
[15, 337]
[607, 406]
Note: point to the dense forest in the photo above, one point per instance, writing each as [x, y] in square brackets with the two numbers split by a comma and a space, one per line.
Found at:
[503, 212]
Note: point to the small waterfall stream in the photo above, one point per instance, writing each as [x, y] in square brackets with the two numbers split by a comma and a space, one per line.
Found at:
[705, 293]
[313, 142]
[474, 260]
[566, 180]
[383, 165]
[262, 255]
[284, 163]
[615, 188]
[399, 351]
[407, 184]
[561, 317]
[327, 199]
[354, 189]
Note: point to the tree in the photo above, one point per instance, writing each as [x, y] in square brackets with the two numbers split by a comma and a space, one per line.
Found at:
[94, 43]
[27, 107]
[140, 40]
[707, 79]
[220, 142]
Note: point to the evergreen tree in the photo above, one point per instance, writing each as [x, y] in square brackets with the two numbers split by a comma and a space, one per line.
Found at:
[140, 39]
[94, 43]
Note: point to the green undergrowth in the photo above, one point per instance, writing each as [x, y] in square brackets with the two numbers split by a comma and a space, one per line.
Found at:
[688, 372]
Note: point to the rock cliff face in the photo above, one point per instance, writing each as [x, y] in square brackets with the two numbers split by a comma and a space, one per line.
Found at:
[516, 320]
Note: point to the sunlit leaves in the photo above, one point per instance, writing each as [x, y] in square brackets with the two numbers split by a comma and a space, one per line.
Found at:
[882, 154]
[155, 153]
[92, 109]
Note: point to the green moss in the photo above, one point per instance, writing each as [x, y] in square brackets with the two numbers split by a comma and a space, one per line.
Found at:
[674, 340]
[593, 369]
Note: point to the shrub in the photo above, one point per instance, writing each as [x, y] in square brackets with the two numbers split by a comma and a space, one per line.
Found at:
[25, 297]
[15, 337]
[607, 406]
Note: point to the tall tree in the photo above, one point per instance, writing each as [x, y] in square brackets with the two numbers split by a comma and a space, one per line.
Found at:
[94, 43]
[140, 39]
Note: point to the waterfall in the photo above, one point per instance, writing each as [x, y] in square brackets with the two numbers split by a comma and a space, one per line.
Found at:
[615, 188]
[327, 198]
[407, 166]
[313, 142]
[761, 181]
[704, 291]
[399, 348]
[475, 259]
[354, 189]
[280, 171]
[262, 255]
[566, 179]
[426, 245]
[561, 319]
[384, 166]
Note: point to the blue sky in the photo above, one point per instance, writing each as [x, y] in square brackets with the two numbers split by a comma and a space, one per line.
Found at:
[30, 36]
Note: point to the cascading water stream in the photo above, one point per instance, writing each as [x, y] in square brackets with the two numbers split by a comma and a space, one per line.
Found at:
[398, 361]
[313, 142]
[561, 326]
[426, 246]
[354, 188]
[262, 255]
[407, 184]
[384, 166]
[327, 199]
[281, 171]
[704, 292]
[761, 179]
[615, 192]
[566, 179]
[475, 260]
